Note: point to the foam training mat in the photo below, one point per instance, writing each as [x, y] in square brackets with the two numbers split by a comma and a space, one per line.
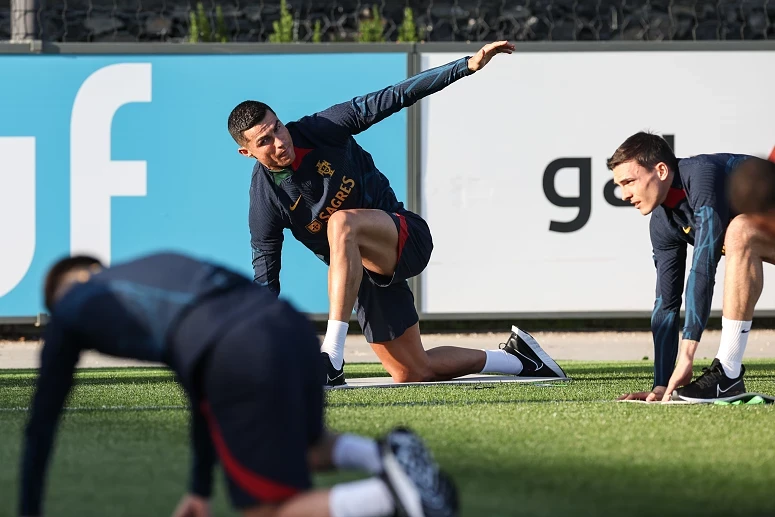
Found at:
[387, 382]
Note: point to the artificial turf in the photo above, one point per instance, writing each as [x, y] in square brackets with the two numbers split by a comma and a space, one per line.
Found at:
[513, 449]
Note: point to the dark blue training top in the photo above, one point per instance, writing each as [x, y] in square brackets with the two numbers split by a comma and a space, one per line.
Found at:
[696, 212]
[131, 310]
[330, 172]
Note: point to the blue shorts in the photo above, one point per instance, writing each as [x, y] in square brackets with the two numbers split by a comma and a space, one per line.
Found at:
[385, 305]
[260, 390]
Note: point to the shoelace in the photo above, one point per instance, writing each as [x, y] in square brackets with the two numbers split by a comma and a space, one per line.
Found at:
[708, 378]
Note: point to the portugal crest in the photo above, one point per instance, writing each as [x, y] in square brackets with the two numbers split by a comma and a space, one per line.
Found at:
[324, 168]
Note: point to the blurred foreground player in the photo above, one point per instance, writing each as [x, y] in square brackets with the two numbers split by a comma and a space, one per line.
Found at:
[752, 192]
[250, 365]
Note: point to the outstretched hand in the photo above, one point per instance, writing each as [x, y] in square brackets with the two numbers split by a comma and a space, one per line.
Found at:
[487, 52]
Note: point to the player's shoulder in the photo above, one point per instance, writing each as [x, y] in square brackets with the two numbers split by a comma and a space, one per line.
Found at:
[717, 162]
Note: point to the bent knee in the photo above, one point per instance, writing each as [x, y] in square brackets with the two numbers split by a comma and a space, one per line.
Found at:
[341, 224]
[413, 375]
[741, 232]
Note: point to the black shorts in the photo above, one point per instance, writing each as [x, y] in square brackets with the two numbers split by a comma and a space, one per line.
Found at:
[385, 305]
[261, 392]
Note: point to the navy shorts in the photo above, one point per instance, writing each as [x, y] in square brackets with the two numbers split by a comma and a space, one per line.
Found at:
[261, 393]
[385, 305]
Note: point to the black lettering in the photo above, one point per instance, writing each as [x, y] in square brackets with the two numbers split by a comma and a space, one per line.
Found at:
[610, 195]
[670, 141]
[584, 200]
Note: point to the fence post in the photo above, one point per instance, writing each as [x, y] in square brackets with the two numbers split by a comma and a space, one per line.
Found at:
[24, 21]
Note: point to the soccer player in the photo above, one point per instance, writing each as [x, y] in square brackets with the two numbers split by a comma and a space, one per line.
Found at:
[688, 201]
[250, 365]
[312, 176]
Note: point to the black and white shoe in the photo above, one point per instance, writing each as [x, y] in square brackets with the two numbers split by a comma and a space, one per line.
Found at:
[535, 362]
[419, 487]
[712, 386]
[334, 377]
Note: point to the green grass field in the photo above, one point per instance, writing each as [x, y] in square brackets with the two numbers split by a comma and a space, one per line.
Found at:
[565, 450]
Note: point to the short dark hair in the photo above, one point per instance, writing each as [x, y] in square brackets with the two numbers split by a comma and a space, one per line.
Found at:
[647, 150]
[752, 186]
[58, 271]
[244, 116]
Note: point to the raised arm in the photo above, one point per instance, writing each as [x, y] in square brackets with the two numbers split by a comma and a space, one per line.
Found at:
[55, 377]
[360, 113]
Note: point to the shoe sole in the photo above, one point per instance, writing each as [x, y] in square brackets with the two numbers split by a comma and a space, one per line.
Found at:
[732, 398]
[537, 350]
[403, 487]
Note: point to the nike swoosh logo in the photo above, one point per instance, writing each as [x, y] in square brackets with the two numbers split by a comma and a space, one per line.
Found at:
[745, 331]
[719, 391]
[687, 229]
[293, 206]
[332, 379]
[535, 363]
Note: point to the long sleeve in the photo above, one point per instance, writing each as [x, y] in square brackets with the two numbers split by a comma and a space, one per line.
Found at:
[55, 377]
[203, 454]
[711, 216]
[670, 263]
[266, 242]
[360, 113]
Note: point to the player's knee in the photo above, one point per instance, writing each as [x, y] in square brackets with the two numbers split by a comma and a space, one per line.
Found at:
[341, 226]
[413, 375]
[741, 234]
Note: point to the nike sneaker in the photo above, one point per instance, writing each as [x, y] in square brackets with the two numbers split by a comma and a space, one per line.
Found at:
[334, 377]
[419, 487]
[535, 361]
[712, 386]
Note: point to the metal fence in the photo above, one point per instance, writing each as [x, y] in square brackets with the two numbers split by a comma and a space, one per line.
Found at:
[449, 20]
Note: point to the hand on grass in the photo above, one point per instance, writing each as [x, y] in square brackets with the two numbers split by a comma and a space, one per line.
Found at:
[649, 396]
[192, 506]
[682, 374]
[487, 52]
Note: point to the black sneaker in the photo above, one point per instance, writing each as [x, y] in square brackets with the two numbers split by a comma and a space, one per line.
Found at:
[535, 362]
[712, 386]
[334, 377]
[419, 487]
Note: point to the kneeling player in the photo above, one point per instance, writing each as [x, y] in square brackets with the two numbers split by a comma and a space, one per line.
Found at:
[251, 367]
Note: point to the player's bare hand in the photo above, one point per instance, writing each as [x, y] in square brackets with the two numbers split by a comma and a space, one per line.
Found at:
[682, 375]
[649, 396]
[487, 52]
[192, 506]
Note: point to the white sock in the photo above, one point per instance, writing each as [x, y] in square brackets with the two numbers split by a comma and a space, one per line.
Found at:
[500, 361]
[367, 498]
[333, 343]
[734, 337]
[356, 452]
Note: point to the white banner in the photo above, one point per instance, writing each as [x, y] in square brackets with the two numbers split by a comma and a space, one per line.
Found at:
[510, 235]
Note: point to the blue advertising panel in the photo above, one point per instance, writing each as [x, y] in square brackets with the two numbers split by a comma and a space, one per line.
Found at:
[124, 155]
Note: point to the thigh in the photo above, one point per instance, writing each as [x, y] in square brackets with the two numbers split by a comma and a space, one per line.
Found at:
[377, 236]
[385, 313]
